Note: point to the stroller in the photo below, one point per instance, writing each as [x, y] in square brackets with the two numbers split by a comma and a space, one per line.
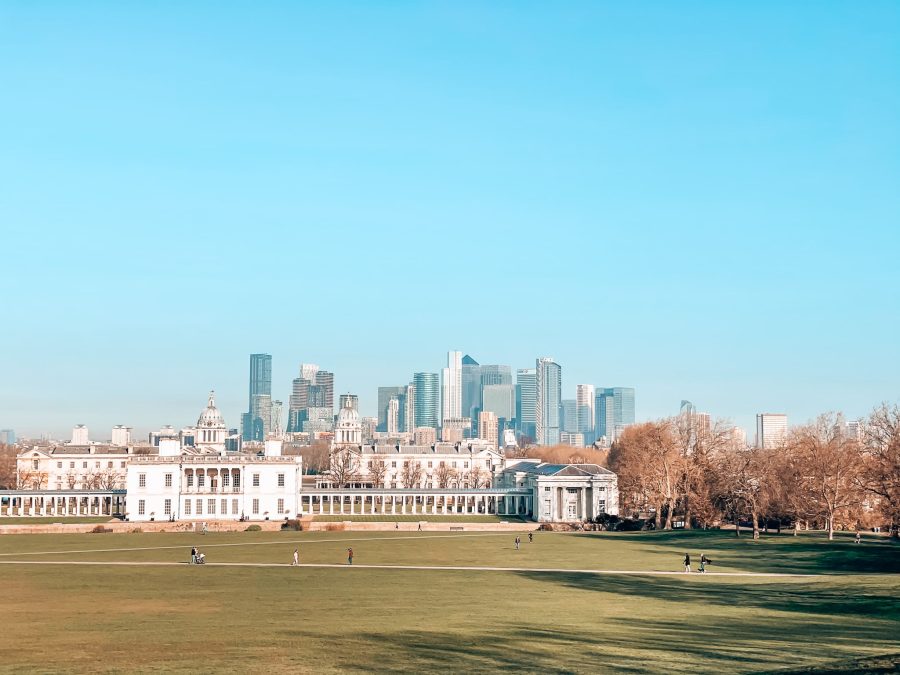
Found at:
[201, 558]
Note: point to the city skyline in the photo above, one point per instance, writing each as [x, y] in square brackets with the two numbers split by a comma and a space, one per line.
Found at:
[700, 204]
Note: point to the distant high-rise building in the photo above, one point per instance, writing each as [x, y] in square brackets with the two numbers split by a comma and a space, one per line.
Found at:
[495, 374]
[451, 387]
[275, 425]
[427, 400]
[121, 436]
[385, 394]
[7, 436]
[80, 435]
[425, 435]
[256, 424]
[487, 427]
[526, 401]
[548, 380]
[614, 410]
[308, 371]
[499, 399]
[568, 417]
[771, 429]
[368, 425]
[584, 402]
[325, 380]
[855, 429]
[408, 409]
[393, 415]
[471, 387]
[576, 440]
[317, 397]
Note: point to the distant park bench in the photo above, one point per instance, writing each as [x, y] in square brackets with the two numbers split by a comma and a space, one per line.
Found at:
[456, 528]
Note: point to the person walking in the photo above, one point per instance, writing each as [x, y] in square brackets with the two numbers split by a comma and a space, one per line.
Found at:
[530, 537]
[296, 557]
[420, 527]
[349, 556]
[703, 561]
[518, 541]
[858, 537]
[687, 562]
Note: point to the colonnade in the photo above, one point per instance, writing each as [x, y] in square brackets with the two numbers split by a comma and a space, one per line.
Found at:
[364, 502]
[39, 504]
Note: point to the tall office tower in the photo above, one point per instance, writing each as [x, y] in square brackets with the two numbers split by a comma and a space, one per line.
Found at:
[325, 380]
[471, 387]
[568, 415]
[526, 401]
[385, 394]
[254, 426]
[408, 409]
[317, 397]
[8, 436]
[349, 401]
[854, 429]
[275, 426]
[428, 400]
[487, 427]
[298, 403]
[368, 425]
[308, 371]
[500, 399]
[548, 380]
[614, 410]
[771, 430]
[121, 436]
[451, 387]
[393, 416]
[80, 435]
[495, 374]
[584, 410]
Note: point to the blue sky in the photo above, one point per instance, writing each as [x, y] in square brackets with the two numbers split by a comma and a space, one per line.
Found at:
[699, 200]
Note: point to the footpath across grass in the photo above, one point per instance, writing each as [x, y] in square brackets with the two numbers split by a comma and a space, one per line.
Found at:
[185, 618]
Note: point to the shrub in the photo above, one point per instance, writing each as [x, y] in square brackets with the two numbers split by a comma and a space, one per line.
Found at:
[253, 528]
[295, 525]
[99, 529]
[136, 530]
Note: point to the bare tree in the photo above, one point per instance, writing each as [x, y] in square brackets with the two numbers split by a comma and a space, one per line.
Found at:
[377, 470]
[344, 467]
[744, 479]
[110, 479]
[833, 465]
[7, 467]
[71, 479]
[32, 480]
[880, 474]
[411, 474]
[479, 477]
[444, 475]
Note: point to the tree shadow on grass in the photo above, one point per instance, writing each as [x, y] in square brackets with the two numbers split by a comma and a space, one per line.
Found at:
[804, 554]
[705, 643]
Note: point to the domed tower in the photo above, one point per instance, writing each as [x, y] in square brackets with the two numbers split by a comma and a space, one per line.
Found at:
[348, 430]
[211, 429]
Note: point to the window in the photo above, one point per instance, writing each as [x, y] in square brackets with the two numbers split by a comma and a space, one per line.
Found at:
[454, 465]
[201, 479]
[168, 480]
[199, 507]
[109, 465]
[429, 464]
[280, 481]
[142, 504]
[187, 507]
[190, 480]
[167, 507]
[572, 491]
[255, 507]
[237, 481]
[96, 465]
[71, 465]
[280, 506]
[122, 464]
[465, 465]
[211, 506]
[224, 506]
[35, 464]
[393, 465]
[370, 465]
[602, 506]
[59, 465]
[602, 489]
[234, 507]
[225, 477]
[142, 480]
[546, 489]
[84, 465]
[256, 480]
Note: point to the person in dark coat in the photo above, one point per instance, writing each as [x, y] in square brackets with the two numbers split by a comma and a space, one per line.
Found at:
[687, 562]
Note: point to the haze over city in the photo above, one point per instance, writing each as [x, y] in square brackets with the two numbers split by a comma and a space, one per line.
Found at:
[697, 203]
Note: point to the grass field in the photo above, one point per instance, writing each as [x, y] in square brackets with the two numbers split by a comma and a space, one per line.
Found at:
[552, 609]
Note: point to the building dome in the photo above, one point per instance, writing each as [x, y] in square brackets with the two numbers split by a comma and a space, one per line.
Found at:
[211, 418]
[347, 416]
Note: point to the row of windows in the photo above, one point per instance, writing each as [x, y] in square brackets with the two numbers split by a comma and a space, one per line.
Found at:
[167, 507]
[84, 465]
[487, 463]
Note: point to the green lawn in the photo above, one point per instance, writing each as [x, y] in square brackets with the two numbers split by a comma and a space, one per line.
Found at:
[278, 619]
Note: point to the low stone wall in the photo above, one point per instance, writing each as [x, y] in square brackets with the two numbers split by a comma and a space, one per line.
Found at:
[268, 526]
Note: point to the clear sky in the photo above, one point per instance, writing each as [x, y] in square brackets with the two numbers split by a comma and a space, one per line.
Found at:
[700, 200]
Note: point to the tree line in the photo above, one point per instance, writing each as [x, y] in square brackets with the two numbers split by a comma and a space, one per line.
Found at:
[688, 470]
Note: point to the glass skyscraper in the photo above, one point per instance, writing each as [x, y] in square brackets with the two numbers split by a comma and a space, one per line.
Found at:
[548, 378]
[614, 407]
[256, 423]
[428, 399]
[526, 401]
